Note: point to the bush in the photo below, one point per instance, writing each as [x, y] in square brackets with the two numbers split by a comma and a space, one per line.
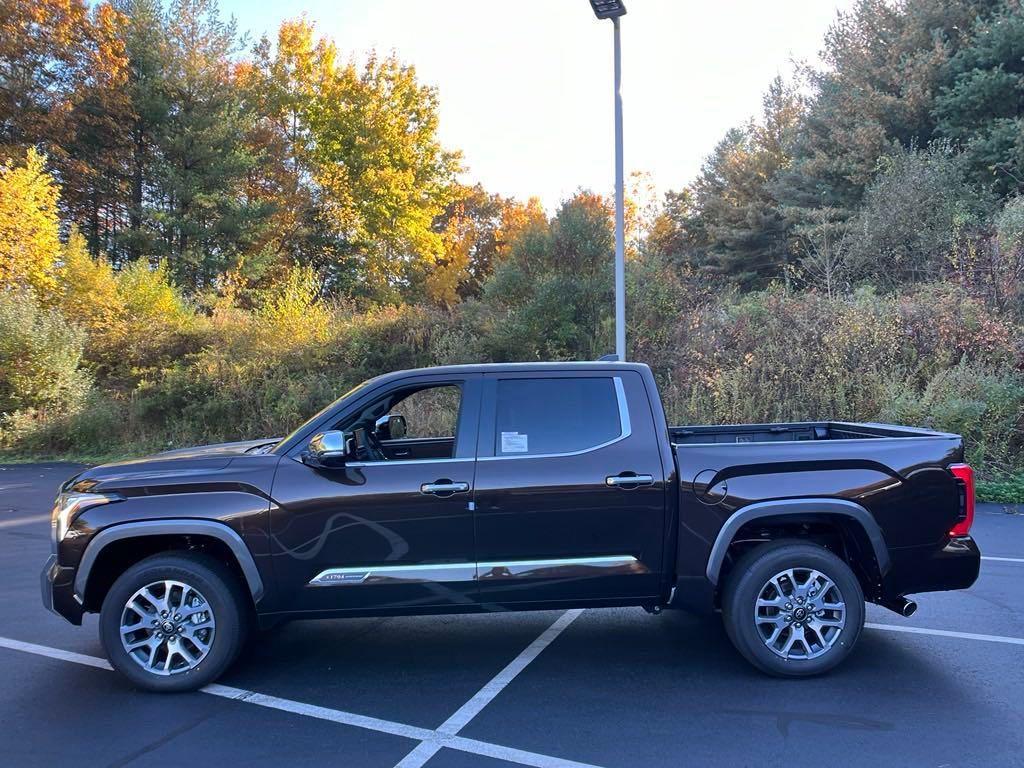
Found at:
[985, 406]
[1004, 490]
[39, 364]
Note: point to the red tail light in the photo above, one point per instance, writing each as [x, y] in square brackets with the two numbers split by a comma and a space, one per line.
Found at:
[965, 477]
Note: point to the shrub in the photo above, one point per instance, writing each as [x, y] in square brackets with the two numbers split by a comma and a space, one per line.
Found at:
[39, 364]
[985, 406]
[1003, 490]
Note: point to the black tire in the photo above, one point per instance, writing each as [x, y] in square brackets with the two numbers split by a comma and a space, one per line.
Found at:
[222, 593]
[743, 587]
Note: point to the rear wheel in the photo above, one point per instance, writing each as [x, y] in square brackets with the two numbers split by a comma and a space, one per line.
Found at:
[793, 609]
[173, 622]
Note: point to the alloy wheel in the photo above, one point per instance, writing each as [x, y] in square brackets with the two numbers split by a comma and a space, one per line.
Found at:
[167, 627]
[800, 613]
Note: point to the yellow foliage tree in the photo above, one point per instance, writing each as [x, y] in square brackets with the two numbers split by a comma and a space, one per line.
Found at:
[87, 290]
[29, 225]
[458, 239]
[516, 219]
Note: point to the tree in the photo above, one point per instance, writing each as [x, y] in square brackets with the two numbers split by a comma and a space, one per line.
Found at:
[914, 213]
[281, 86]
[669, 235]
[738, 228]
[92, 161]
[823, 243]
[41, 51]
[144, 34]
[884, 63]
[381, 169]
[473, 229]
[551, 297]
[204, 221]
[983, 107]
[29, 225]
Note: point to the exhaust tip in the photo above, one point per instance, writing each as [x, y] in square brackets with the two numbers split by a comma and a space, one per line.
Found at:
[901, 605]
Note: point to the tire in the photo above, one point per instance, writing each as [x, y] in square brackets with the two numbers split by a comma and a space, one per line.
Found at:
[822, 640]
[213, 614]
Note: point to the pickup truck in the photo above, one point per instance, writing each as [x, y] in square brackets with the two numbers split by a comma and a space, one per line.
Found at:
[511, 487]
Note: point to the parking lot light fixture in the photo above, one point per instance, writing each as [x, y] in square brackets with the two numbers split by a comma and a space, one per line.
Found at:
[614, 10]
[608, 9]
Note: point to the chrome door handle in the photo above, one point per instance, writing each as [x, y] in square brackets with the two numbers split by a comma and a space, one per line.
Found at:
[618, 480]
[444, 487]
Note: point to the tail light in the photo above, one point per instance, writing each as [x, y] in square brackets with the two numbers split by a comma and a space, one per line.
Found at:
[965, 481]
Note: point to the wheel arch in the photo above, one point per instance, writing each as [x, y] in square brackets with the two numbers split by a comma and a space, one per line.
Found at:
[841, 512]
[228, 541]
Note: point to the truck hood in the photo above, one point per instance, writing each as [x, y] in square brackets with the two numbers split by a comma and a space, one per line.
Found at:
[178, 463]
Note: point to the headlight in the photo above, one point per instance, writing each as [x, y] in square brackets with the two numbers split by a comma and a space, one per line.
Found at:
[69, 505]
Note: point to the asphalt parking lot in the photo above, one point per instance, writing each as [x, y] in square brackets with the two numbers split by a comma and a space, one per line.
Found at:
[552, 689]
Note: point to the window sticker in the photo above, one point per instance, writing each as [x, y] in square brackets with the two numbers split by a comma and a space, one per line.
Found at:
[513, 442]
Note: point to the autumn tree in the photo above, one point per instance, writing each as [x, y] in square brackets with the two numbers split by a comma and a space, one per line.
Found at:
[92, 161]
[42, 47]
[281, 86]
[475, 227]
[551, 297]
[382, 171]
[29, 224]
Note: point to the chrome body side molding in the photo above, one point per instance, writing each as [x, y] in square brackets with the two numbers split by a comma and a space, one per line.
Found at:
[491, 571]
[394, 574]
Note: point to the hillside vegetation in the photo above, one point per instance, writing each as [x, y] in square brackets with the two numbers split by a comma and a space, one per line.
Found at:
[205, 239]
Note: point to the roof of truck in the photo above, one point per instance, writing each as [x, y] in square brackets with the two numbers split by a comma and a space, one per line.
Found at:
[587, 365]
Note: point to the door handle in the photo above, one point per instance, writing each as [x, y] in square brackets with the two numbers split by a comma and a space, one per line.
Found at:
[444, 487]
[628, 480]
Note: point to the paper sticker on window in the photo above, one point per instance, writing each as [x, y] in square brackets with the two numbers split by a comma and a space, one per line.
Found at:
[513, 442]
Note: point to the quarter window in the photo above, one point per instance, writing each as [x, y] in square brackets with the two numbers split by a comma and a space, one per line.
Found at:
[558, 415]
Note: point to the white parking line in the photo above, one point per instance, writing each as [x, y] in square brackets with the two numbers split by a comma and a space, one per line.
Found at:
[1003, 559]
[425, 735]
[947, 633]
[23, 520]
[485, 695]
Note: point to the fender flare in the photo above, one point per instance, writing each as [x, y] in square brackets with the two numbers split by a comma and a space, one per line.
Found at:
[210, 528]
[783, 507]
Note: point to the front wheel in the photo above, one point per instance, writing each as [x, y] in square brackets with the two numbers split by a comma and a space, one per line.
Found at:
[793, 609]
[173, 622]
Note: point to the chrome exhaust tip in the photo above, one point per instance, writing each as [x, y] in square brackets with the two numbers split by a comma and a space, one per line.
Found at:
[902, 606]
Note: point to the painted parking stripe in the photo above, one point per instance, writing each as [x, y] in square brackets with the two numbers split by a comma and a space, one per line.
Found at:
[426, 750]
[54, 653]
[1003, 559]
[14, 521]
[425, 735]
[485, 695]
[947, 633]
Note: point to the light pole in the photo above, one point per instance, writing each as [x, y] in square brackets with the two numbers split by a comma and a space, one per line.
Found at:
[614, 10]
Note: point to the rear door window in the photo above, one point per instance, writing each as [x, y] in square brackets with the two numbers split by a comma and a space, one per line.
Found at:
[557, 415]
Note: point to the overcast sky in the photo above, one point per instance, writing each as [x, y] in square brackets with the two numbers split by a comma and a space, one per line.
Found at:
[526, 85]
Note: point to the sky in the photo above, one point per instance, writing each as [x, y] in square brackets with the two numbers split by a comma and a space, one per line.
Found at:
[525, 86]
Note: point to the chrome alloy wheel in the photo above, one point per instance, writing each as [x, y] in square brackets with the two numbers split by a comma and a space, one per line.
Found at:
[167, 627]
[800, 613]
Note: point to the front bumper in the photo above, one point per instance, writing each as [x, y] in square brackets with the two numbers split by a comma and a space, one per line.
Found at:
[57, 584]
[954, 566]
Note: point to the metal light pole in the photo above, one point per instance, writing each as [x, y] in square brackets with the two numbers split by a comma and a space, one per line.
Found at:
[614, 10]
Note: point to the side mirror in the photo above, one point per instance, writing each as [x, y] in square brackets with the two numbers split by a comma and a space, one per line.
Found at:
[327, 446]
[391, 427]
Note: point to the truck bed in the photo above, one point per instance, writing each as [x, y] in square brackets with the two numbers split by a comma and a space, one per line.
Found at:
[792, 432]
